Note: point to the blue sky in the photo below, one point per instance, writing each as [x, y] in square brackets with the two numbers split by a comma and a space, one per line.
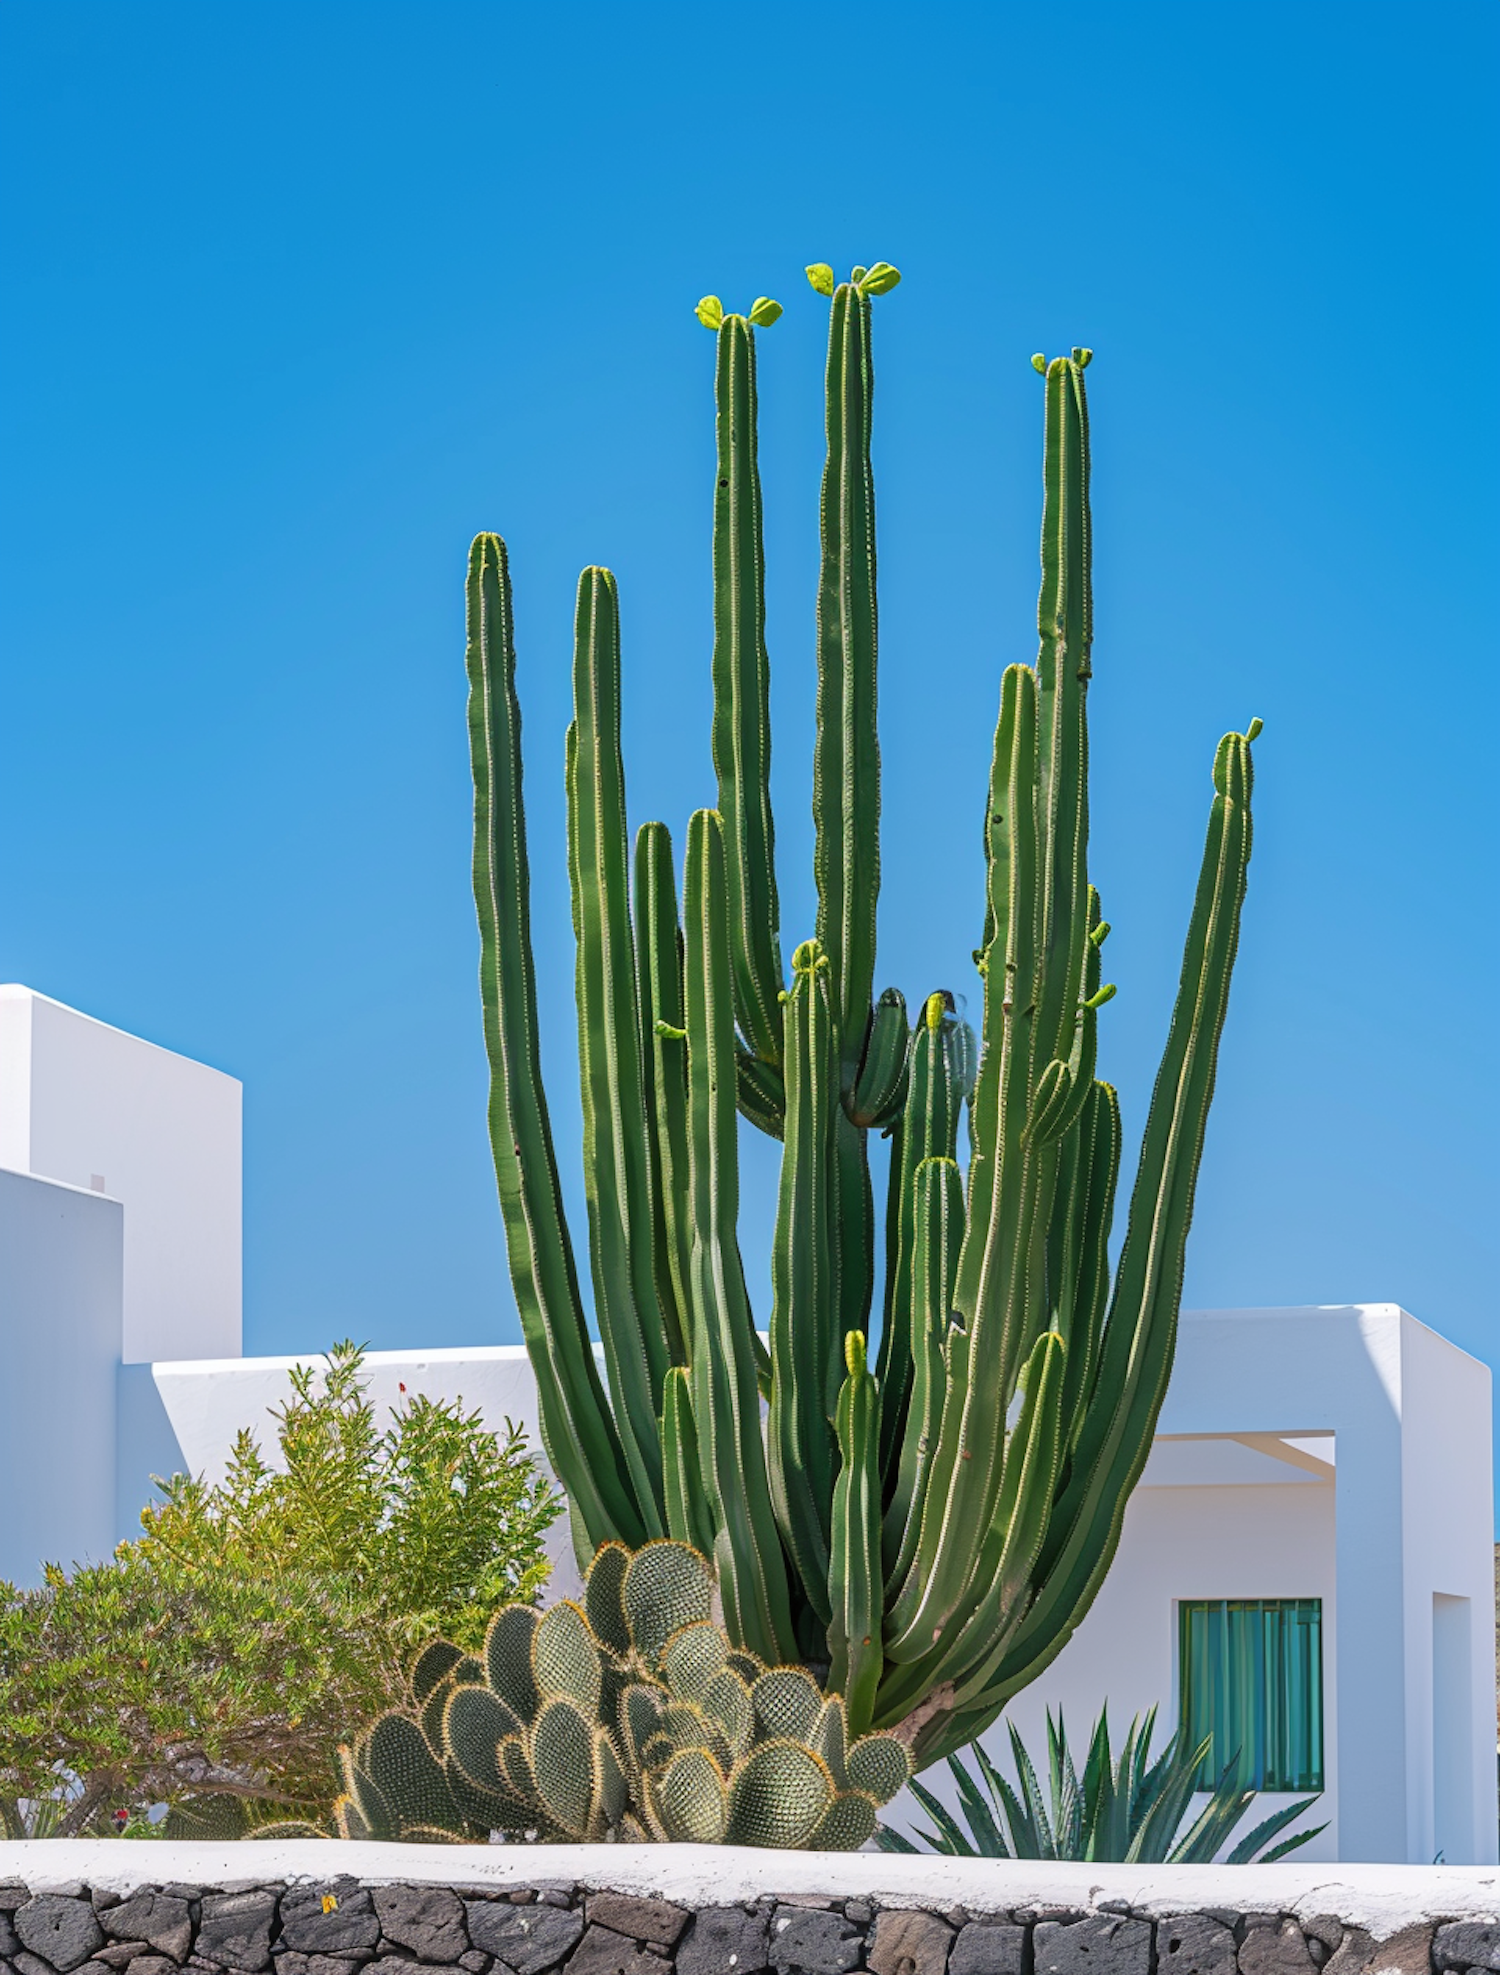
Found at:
[299, 297]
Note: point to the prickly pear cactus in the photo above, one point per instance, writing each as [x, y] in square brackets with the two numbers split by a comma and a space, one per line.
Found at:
[628, 1716]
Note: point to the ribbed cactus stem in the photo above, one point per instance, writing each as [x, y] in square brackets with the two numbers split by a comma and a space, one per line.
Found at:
[846, 763]
[935, 1099]
[804, 1308]
[578, 1431]
[742, 699]
[725, 1397]
[846, 759]
[658, 950]
[616, 1149]
[855, 1582]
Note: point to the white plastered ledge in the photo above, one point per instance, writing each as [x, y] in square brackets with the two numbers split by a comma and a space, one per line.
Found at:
[1382, 1899]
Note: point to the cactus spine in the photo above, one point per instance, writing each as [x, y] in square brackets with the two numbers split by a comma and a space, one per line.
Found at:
[923, 1536]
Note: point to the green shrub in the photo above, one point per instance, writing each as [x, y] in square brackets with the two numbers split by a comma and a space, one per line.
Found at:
[217, 1663]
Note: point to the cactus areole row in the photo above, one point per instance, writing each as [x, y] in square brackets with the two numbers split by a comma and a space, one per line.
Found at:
[922, 1532]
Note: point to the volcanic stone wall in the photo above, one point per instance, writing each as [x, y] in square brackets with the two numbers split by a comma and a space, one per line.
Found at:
[343, 1927]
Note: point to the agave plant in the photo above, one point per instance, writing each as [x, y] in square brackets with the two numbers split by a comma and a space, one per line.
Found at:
[1124, 1812]
[926, 1530]
[629, 1716]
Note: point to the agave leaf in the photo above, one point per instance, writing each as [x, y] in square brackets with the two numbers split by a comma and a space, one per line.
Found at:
[1249, 1845]
[887, 1840]
[952, 1839]
[989, 1841]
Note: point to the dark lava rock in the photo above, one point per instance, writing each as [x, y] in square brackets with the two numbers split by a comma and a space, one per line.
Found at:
[526, 1938]
[641, 1919]
[428, 1921]
[63, 1932]
[235, 1930]
[724, 1940]
[1102, 1945]
[816, 1943]
[161, 1922]
[987, 1947]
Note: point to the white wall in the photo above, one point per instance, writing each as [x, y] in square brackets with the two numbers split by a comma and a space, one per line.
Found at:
[1449, 1595]
[61, 1256]
[89, 1105]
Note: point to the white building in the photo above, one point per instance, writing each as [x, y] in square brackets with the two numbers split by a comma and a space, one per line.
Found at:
[1306, 1564]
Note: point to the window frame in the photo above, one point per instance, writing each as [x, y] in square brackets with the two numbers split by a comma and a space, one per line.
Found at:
[1284, 1721]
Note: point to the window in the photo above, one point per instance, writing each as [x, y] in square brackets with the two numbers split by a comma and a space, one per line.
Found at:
[1251, 1677]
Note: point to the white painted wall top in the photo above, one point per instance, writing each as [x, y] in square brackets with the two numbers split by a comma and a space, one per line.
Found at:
[98, 1109]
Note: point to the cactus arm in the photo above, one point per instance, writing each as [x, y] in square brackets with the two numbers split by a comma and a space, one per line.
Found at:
[1065, 634]
[578, 1431]
[929, 1131]
[1001, 1586]
[846, 762]
[880, 1083]
[854, 1579]
[1135, 1359]
[760, 1091]
[854, 1238]
[804, 1304]
[726, 1402]
[957, 1520]
[1079, 1265]
[658, 952]
[984, 1111]
[616, 1161]
[742, 714]
[937, 1229]
[689, 1518]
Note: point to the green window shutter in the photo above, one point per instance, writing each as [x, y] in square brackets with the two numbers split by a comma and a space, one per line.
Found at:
[1251, 1683]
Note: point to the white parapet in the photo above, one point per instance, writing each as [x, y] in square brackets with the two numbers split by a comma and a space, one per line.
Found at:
[98, 1109]
[1384, 1900]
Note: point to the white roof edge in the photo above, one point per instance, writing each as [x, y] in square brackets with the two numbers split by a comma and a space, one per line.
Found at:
[449, 1354]
[15, 990]
[1299, 1310]
[63, 1186]
[1383, 1899]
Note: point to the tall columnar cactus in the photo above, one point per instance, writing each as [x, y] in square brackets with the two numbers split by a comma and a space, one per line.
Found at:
[924, 1533]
